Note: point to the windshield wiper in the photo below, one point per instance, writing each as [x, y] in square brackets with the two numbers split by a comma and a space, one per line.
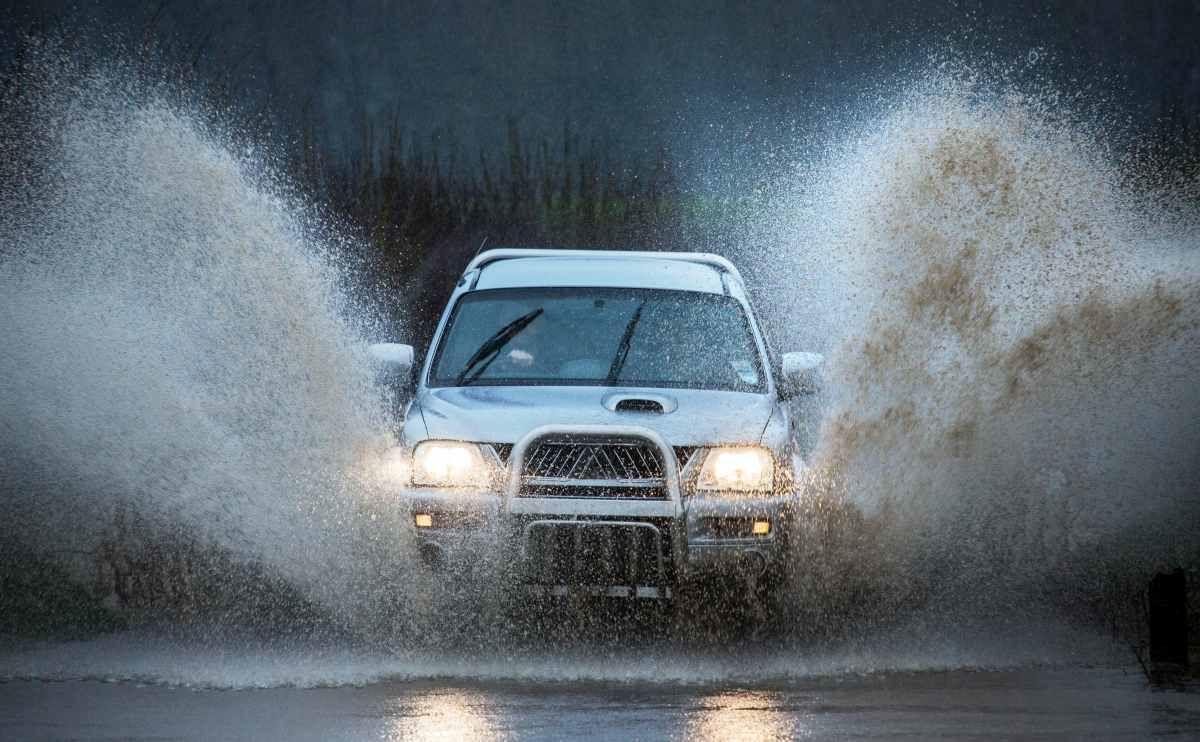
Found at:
[491, 347]
[623, 348]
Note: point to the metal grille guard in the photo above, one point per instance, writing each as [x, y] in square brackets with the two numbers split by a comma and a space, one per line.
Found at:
[670, 507]
[617, 511]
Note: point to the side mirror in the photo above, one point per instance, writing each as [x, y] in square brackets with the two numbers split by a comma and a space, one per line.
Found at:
[394, 360]
[802, 373]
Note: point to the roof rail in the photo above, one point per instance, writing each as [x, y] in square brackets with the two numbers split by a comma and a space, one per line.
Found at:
[485, 258]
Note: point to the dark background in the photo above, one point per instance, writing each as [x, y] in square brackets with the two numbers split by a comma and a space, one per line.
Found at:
[698, 76]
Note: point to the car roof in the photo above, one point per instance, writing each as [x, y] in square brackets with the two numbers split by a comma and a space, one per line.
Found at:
[512, 268]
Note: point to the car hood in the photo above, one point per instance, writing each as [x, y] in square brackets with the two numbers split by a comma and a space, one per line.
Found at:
[498, 414]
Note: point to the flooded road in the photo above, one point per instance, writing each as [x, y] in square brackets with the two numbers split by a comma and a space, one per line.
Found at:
[1025, 704]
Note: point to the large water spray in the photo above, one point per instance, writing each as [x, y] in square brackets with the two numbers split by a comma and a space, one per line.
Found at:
[1012, 317]
[182, 364]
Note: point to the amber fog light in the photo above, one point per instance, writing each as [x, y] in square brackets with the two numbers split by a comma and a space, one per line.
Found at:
[423, 520]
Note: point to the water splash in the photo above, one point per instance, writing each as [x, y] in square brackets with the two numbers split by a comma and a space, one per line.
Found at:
[179, 362]
[1012, 316]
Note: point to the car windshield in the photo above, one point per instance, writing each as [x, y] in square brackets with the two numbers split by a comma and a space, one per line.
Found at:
[598, 336]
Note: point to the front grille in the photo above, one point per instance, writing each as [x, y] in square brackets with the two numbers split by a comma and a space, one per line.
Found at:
[610, 469]
[628, 461]
[683, 454]
[594, 490]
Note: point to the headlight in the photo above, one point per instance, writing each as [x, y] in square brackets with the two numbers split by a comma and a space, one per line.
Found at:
[737, 470]
[449, 464]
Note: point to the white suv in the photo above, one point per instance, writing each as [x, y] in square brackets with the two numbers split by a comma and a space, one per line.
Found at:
[602, 422]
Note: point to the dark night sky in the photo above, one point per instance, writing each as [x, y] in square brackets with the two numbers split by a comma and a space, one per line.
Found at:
[701, 77]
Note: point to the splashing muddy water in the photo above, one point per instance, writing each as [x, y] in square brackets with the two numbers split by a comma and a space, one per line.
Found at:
[1009, 419]
[1013, 324]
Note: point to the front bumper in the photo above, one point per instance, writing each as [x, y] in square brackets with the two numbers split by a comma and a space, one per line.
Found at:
[700, 535]
[474, 525]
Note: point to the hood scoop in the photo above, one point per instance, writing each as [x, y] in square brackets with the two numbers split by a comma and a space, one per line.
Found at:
[654, 403]
[639, 405]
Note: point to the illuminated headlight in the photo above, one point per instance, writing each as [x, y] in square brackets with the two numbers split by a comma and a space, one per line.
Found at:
[737, 470]
[449, 464]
